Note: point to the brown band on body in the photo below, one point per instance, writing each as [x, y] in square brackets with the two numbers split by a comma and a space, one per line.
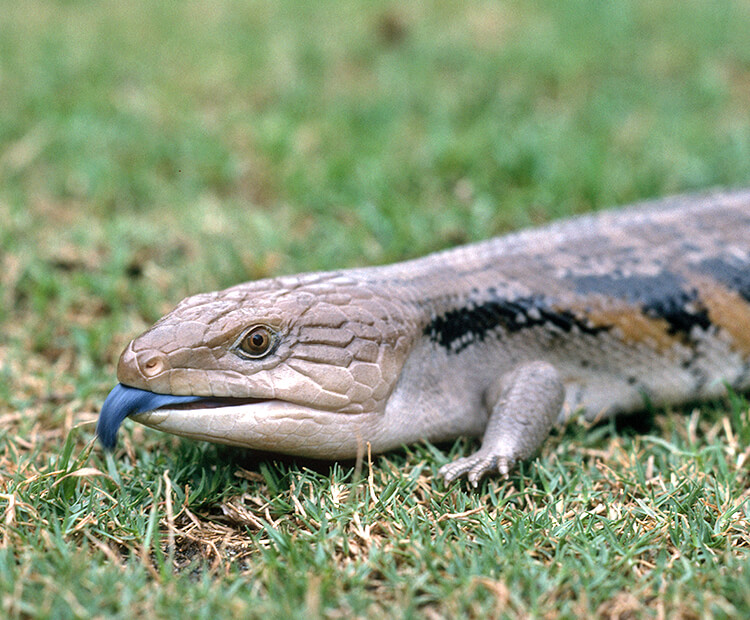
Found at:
[629, 322]
[727, 310]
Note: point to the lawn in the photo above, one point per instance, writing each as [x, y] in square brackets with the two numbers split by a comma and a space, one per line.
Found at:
[152, 150]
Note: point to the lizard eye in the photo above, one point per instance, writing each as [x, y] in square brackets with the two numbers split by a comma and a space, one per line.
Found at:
[257, 342]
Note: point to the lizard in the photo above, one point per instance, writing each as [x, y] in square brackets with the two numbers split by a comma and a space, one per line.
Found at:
[502, 339]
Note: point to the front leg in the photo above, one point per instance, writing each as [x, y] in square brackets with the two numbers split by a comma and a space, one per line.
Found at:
[524, 404]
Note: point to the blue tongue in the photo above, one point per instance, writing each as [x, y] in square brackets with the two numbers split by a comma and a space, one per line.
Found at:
[124, 401]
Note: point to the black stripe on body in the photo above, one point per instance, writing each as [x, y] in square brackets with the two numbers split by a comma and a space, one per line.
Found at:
[731, 272]
[457, 329]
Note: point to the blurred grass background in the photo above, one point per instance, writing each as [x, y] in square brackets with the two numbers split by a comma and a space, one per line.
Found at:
[151, 150]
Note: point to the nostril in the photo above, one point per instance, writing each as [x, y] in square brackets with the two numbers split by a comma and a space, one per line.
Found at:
[152, 363]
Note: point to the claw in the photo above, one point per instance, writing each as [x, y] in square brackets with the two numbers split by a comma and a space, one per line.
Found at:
[504, 465]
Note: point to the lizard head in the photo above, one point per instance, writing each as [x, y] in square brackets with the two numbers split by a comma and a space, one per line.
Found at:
[263, 364]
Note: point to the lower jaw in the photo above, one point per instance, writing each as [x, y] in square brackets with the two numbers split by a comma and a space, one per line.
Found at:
[270, 426]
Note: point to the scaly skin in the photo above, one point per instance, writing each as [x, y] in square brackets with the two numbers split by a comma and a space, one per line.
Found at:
[500, 339]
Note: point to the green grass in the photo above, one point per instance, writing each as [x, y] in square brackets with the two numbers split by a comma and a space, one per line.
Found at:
[153, 150]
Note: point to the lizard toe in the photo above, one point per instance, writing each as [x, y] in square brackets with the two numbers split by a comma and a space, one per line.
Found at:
[450, 471]
[482, 465]
[475, 467]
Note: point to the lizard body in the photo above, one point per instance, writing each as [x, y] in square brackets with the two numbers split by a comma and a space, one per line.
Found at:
[501, 339]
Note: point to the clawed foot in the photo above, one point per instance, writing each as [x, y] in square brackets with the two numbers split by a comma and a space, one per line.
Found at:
[475, 467]
[523, 405]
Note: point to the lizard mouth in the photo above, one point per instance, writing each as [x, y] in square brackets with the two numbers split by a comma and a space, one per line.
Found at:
[269, 425]
[254, 423]
[154, 409]
[213, 402]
